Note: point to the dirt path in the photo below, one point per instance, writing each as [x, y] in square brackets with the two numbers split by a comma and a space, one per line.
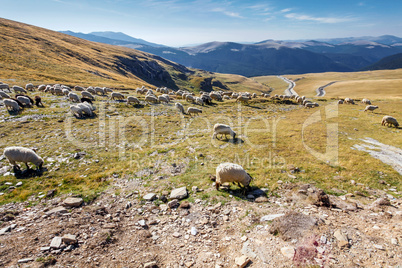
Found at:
[290, 90]
[321, 92]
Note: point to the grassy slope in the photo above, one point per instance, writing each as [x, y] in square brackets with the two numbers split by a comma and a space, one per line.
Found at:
[382, 84]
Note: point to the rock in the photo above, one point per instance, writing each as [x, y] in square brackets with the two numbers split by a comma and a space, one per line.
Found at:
[288, 252]
[61, 210]
[18, 184]
[194, 231]
[185, 205]
[142, 223]
[258, 192]
[5, 230]
[25, 260]
[271, 217]
[250, 196]
[151, 264]
[261, 199]
[380, 247]
[321, 199]
[44, 248]
[340, 236]
[343, 244]
[176, 234]
[149, 197]
[179, 193]
[56, 242]
[242, 261]
[381, 202]
[293, 225]
[195, 189]
[50, 193]
[73, 202]
[69, 239]
[173, 204]
[394, 241]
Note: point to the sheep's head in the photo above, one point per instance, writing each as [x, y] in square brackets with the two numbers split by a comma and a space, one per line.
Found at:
[249, 179]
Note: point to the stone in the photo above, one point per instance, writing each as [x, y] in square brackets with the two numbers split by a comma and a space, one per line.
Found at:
[293, 225]
[242, 261]
[173, 204]
[394, 241]
[271, 217]
[179, 193]
[142, 223]
[194, 231]
[321, 199]
[61, 210]
[69, 239]
[185, 205]
[149, 197]
[381, 202]
[56, 242]
[73, 202]
[50, 193]
[44, 248]
[261, 199]
[18, 184]
[25, 260]
[288, 252]
[176, 234]
[380, 247]
[340, 236]
[343, 244]
[258, 192]
[151, 264]
[5, 230]
[250, 196]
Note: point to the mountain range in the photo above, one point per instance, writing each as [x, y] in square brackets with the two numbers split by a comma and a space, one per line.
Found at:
[268, 57]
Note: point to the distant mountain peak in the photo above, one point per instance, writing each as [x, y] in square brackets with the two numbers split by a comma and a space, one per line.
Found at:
[124, 37]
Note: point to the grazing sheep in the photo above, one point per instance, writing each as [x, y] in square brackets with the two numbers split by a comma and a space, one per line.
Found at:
[370, 108]
[340, 101]
[30, 86]
[106, 90]
[5, 86]
[91, 90]
[199, 101]
[254, 95]
[190, 98]
[21, 154]
[215, 96]
[38, 101]
[349, 101]
[19, 89]
[180, 107]
[366, 101]
[78, 88]
[230, 172]
[163, 99]
[223, 130]
[57, 90]
[309, 105]
[226, 97]
[99, 90]
[131, 99]
[389, 120]
[86, 100]
[86, 108]
[73, 97]
[42, 87]
[25, 101]
[243, 99]
[65, 91]
[193, 110]
[117, 95]
[9, 103]
[76, 111]
[86, 94]
[4, 95]
[206, 99]
[151, 99]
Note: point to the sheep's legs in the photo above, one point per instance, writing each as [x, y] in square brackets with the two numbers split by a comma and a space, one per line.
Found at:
[28, 168]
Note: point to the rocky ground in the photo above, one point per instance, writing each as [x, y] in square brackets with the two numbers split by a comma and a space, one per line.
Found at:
[298, 225]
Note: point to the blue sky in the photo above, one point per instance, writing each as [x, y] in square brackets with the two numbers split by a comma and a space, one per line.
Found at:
[183, 22]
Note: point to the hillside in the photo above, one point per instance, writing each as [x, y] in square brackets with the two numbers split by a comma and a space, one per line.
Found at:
[387, 63]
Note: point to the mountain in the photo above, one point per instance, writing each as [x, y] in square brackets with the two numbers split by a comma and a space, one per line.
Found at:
[387, 63]
[269, 57]
[30, 53]
[124, 37]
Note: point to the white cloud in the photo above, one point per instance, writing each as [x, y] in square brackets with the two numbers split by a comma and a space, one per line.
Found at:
[317, 19]
[227, 13]
[286, 10]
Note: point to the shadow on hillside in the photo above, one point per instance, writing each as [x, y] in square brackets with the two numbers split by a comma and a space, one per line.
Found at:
[232, 141]
[28, 173]
[242, 193]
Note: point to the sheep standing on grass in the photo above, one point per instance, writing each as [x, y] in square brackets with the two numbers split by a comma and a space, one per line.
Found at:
[389, 120]
[131, 99]
[9, 103]
[193, 110]
[117, 95]
[229, 172]
[25, 101]
[73, 97]
[163, 99]
[179, 107]
[19, 89]
[366, 101]
[4, 95]
[370, 108]
[21, 154]
[86, 94]
[349, 101]
[151, 99]
[223, 130]
[30, 86]
[38, 101]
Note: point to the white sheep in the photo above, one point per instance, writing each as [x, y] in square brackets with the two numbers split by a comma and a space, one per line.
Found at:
[179, 107]
[5, 86]
[366, 101]
[25, 101]
[42, 87]
[131, 99]
[190, 98]
[230, 172]
[106, 89]
[99, 90]
[223, 130]
[349, 101]
[11, 104]
[151, 99]
[215, 96]
[91, 90]
[86, 108]
[29, 86]
[199, 101]
[193, 110]
[86, 94]
[370, 108]
[389, 120]
[19, 89]
[4, 95]
[76, 111]
[163, 99]
[117, 95]
[21, 154]
[243, 99]
[340, 101]
[73, 97]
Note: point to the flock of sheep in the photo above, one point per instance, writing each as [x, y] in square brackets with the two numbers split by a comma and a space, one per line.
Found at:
[82, 106]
